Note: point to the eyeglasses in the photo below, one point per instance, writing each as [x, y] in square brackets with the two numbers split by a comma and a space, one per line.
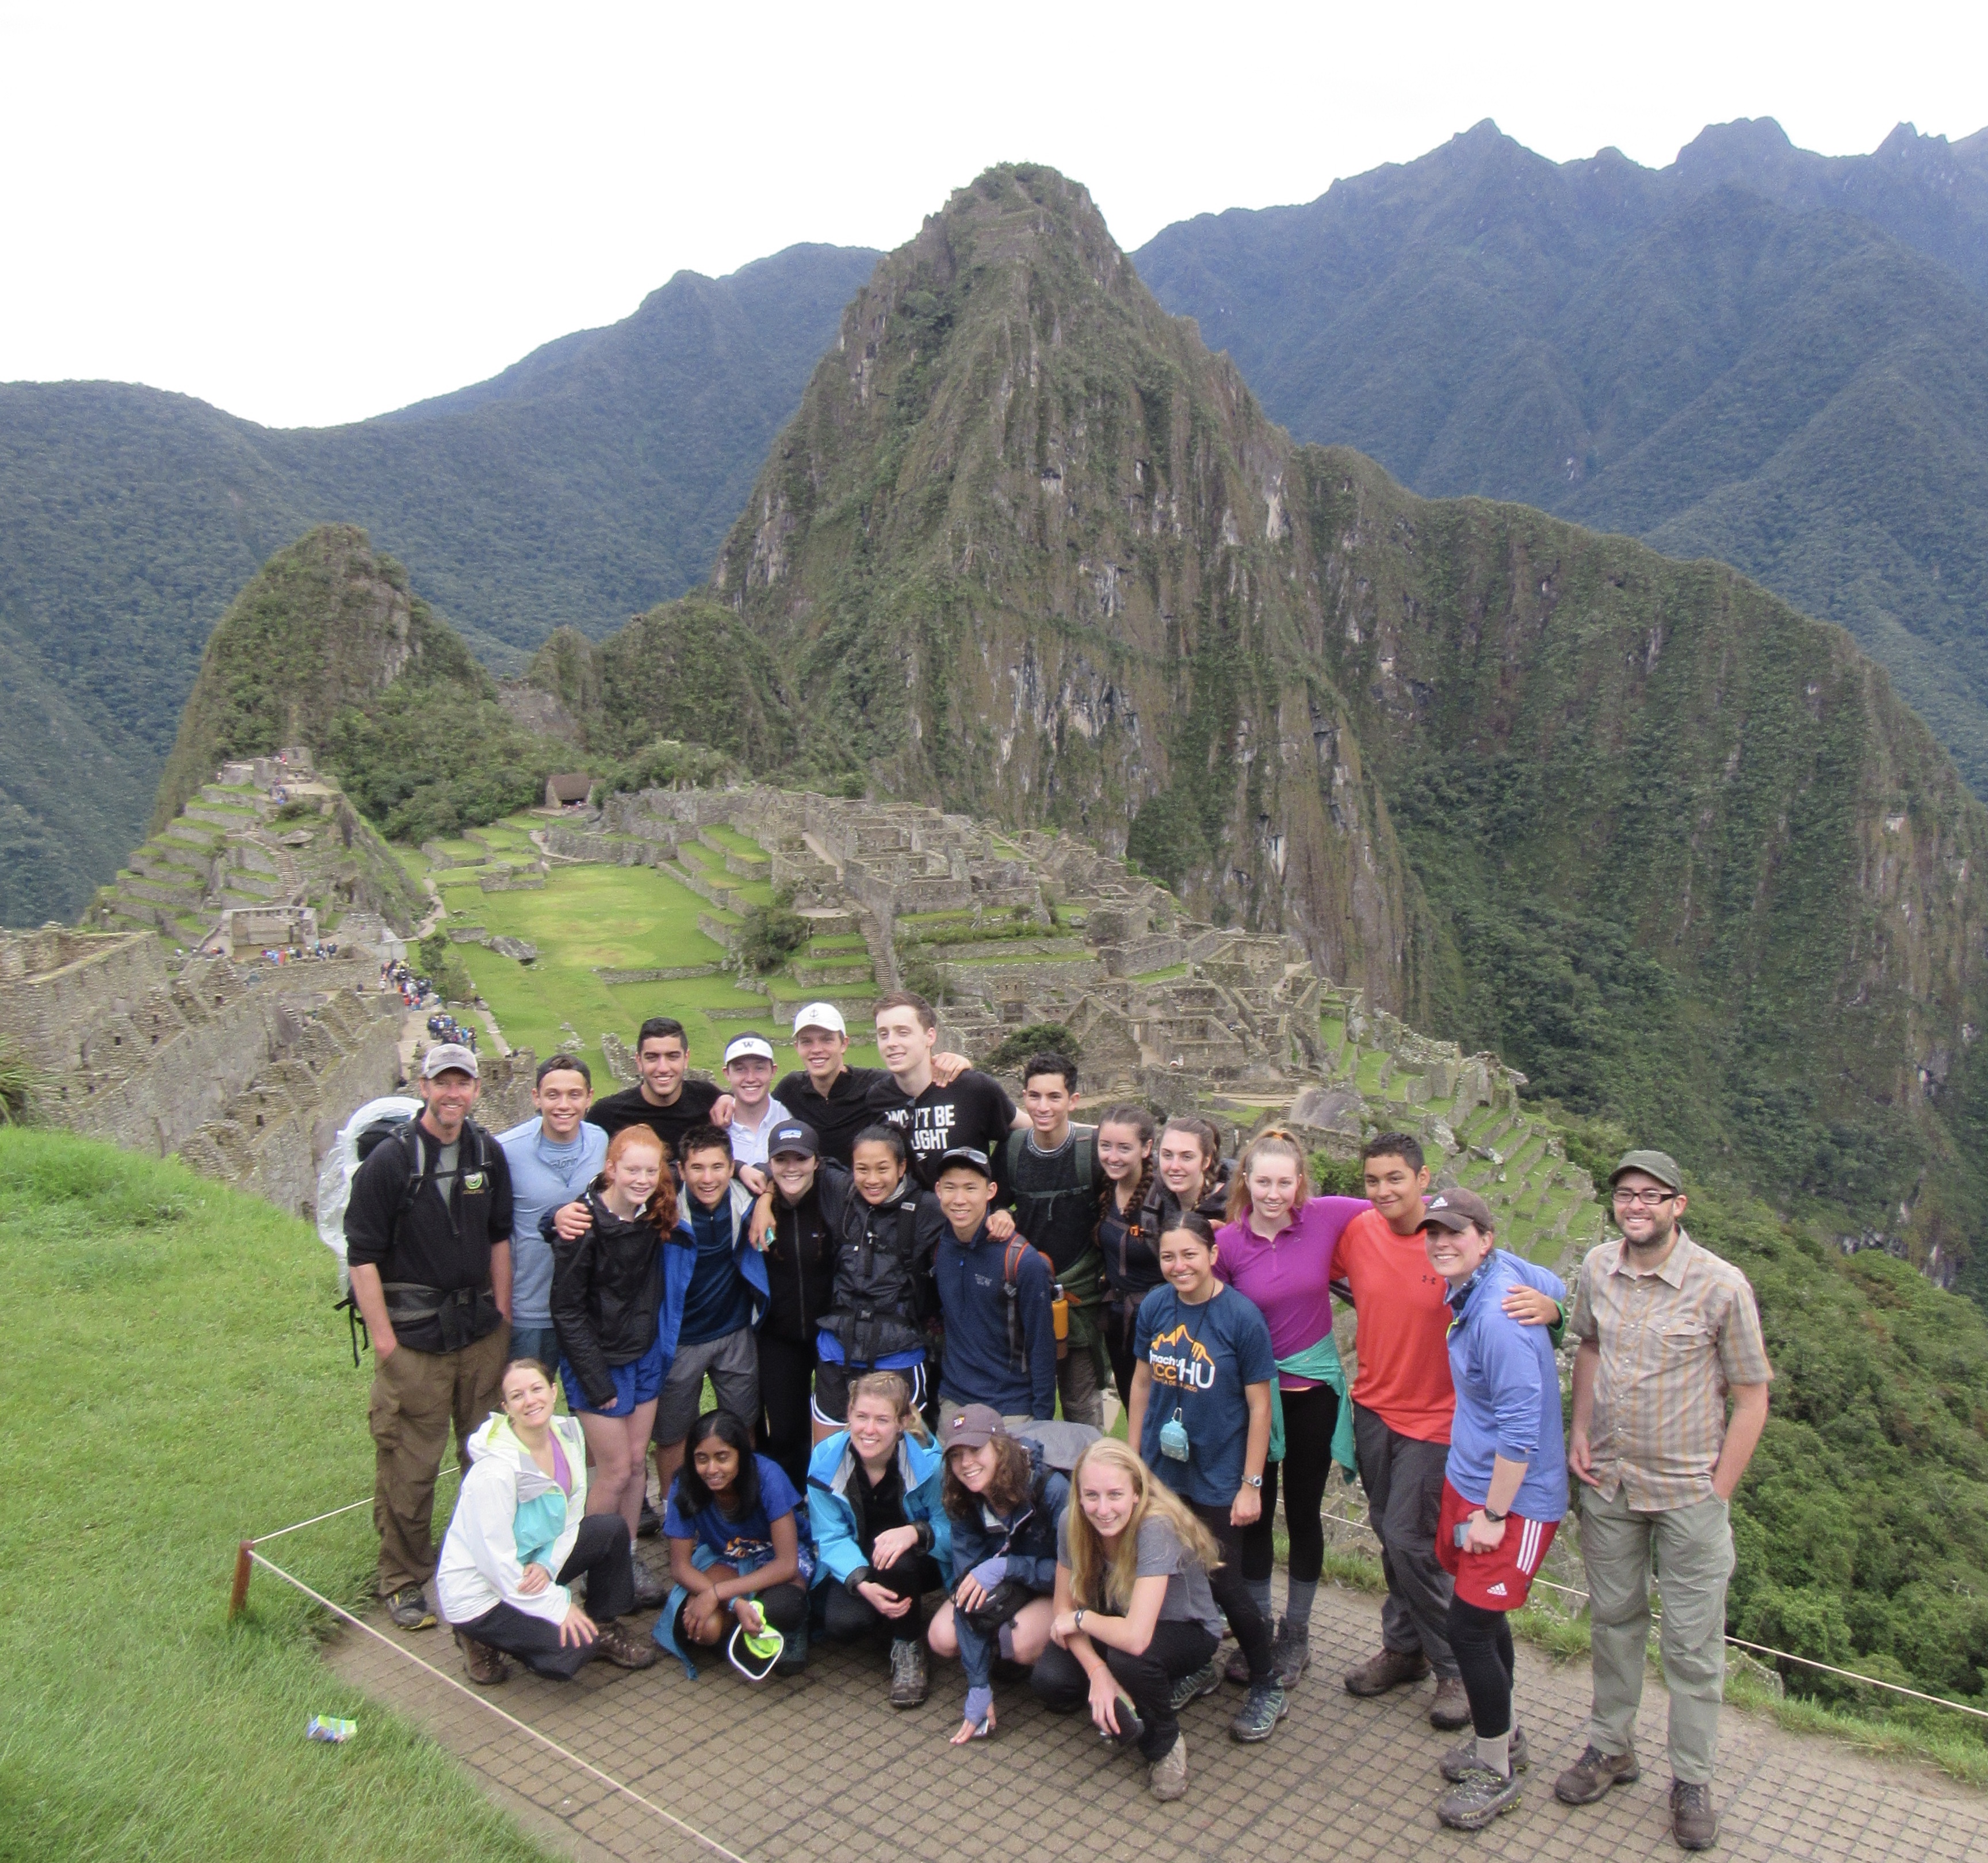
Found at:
[1650, 1199]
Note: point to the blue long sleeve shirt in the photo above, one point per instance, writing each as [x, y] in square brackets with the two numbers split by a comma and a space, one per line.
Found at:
[543, 1176]
[979, 1366]
[1507, 1390]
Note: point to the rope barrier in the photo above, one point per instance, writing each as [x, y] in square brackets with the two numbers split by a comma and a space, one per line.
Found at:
[524, 1727]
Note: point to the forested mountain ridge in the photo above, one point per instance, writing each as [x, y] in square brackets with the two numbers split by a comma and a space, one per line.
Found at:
[592, 478]
[1028, 550]
[1774, 358]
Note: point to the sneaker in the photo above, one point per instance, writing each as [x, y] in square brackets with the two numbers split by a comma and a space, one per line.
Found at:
[1591, 1776]
[1451, 1709]
[1204, 1681]
[1168, 1777]
[909, 1686]
[1236, 1669]
[482, 1665]
[1257, 1719]
[626, 1648]
[408, 1608]
[1388, 1670]
[650, 1591]
[1290, 1655]
[1476, 1798]
[1463, 1756]
[1694, 1823]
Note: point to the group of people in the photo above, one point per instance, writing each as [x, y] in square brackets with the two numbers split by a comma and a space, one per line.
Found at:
[909, 1297]
[407, 983]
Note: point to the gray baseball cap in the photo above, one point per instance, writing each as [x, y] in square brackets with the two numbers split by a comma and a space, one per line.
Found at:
[448, 1055]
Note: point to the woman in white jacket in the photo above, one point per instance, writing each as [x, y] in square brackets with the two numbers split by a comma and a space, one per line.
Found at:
[521, 1535]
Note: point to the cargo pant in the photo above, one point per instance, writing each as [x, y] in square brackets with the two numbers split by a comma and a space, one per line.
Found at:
[1693, 1550]
[1403, 1479]
[416, 1395]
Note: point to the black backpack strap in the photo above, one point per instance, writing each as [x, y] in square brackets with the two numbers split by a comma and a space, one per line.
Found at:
[1011, 1157]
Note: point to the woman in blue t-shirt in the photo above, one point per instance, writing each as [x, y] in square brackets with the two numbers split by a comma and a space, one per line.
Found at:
[1200, 1413]
[740, 1552]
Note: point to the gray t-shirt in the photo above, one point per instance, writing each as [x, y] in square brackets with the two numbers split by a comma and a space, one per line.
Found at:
[1188, 1599]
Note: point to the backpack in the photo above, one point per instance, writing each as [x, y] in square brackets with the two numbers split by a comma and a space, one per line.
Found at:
[1018, 1251]
[1086, 1160]
[1060, 1443]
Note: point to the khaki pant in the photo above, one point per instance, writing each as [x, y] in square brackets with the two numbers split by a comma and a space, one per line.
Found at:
[1080, 1382]
[416, 1395]
[1693, 1550]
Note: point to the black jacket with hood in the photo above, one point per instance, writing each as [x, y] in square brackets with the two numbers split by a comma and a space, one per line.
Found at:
[801, 1248]
[884, 1290]
[608, 1293]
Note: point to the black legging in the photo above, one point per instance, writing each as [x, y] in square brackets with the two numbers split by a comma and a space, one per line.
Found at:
[1116, 1319]
[1481, 1641]
[1177, 1649]
[786, 1382]
[1231, 1593]
[600, 1555]
[1310, 1418]
[844, 1616]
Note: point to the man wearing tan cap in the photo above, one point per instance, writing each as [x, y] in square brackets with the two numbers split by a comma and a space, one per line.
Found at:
[1669, 1336]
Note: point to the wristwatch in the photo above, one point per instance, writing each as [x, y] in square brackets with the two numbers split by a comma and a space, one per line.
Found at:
[1494, 1519]
[1252, 1481]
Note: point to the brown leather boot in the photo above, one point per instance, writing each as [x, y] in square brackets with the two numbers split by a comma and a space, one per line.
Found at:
[1591, 1776]
[1451, 1709]
[1388, 1670]
[626, 1648]
[1694, 1823]
[482, 1665]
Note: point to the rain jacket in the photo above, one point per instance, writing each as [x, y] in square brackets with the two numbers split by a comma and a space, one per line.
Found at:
[508, 1514]
[1026, 1538]
[834, 1506]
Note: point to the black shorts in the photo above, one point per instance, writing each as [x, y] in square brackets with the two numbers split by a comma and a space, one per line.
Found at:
[831, 1404]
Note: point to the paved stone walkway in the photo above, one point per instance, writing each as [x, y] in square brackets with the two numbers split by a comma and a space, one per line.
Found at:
[820, 1768]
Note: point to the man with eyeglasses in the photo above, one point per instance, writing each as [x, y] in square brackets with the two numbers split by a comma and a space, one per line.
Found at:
[1668, 1333]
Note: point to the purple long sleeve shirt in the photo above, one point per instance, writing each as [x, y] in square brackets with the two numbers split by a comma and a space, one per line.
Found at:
[1289, 1278]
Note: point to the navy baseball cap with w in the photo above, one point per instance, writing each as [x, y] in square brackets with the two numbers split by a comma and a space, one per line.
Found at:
[796, 1138]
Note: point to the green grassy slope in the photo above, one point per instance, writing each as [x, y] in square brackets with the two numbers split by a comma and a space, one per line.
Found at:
[135, 1721]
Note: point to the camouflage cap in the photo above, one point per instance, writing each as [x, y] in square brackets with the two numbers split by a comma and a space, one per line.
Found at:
[1658, 1164]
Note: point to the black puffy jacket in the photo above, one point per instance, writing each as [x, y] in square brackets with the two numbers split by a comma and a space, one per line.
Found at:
[608, 1293]
[883, 1256]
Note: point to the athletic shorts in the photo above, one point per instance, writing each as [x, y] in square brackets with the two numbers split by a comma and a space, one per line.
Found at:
[1498, 1579]
[831, 1388]
[731, 1362]
[634, 1384]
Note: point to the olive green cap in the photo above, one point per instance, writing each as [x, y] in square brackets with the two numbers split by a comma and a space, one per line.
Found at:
[1658, 1164]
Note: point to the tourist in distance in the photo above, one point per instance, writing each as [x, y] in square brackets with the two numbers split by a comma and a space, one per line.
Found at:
[748, 1069]
[1277, 1248]
[973, 1110]
[882, 1536]
[606, 1303]
[427, 1236]
[831, 1096]
[1403, 1401]
[723, 1299]
[740, 1552]
[995, 1297]
[1135, 1618]
[1050, 1173]
[888, 1236]
[554, 1157]
[1504, 1493]
[1200, 1416]
[808, 1199]
[1128, 1254]
[663, 1099]
[519, 1539]
[1005, 1503]
[1669, 1335]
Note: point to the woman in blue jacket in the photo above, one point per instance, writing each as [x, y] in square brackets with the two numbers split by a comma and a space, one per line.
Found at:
[881, 1536]
[1005, 1503]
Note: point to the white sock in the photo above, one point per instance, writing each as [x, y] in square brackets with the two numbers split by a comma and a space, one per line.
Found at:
[1495, 1750]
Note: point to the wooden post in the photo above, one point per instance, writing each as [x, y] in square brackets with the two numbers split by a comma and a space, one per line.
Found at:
[244, 1565]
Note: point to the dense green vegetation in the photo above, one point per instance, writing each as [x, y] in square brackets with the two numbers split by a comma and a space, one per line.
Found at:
[1755, 354]
[592, 480]
[140, 1723]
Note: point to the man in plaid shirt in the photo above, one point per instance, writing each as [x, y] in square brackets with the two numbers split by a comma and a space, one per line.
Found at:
[1669, 1334]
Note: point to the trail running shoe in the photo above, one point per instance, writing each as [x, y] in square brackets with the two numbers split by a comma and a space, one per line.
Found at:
[909, 1686]
[409, 1609]
[1477, 1798]
[1266, 1705]
[628, 1647]
[1463, 1756]
[1168, 1778]
[1204, 1681]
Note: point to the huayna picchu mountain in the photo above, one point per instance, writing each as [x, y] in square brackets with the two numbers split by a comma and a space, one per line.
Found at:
[1029, 550]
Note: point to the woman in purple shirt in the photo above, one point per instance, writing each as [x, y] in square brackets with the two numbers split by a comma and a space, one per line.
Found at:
[1276, 1248]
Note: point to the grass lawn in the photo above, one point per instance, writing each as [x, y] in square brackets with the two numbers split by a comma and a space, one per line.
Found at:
[191, 1384]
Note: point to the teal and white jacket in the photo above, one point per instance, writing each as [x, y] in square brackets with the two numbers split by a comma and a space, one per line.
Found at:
[511, 1514]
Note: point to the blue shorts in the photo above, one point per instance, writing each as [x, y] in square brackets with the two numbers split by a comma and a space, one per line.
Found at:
[633, 1384]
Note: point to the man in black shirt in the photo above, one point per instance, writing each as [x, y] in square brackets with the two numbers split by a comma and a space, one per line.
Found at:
[428, 1235]
[974, 1110]
[828, 1094]
[663, 1099]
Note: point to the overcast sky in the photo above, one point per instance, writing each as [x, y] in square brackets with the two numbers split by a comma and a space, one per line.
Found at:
[309, 214]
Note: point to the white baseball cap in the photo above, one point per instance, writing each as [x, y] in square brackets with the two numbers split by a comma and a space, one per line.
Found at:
[820, 1016]
[747, 1047]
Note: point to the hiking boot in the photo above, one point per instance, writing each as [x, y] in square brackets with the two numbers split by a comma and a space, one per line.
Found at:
[1388, 1670]
[793, 1653]
[1290, 1655]
[1451, 1709]
[1463, 1756]
[1204, 1681]
[482, 1665]
[1168, 1777]
[408, 1608]
[1236, 1669]
[1266, 1705]
[909, 1686]
[1591, 1776]
[1476, 1798]
[1694, 1823]
[626, 1648]
[648, 1527]
[650, 1591]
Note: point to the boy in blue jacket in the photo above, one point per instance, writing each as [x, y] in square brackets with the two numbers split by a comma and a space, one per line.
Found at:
[1000, 1348]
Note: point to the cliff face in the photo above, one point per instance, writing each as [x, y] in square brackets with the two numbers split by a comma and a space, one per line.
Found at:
[1029, 550]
